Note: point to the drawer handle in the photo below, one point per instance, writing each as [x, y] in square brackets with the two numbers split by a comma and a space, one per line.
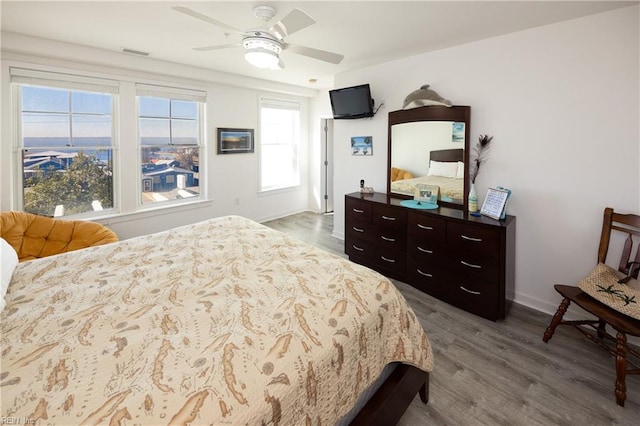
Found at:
[424, 273]
[357, 248]
[477, 293]
[358, 210]
[424, 250]
[388, 218]
[357, 229]
[387, 260]
[471, 265]
[392, 240]
[471, 238]
[428, 228]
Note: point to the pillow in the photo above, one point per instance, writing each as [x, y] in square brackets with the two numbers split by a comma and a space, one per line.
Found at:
[444, 169]
[602, 284]
[460, 172]
[8, 262]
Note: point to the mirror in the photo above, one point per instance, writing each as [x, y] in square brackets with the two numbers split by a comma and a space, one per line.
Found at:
[430, 145]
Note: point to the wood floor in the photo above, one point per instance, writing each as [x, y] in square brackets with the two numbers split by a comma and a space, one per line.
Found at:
[499, 373]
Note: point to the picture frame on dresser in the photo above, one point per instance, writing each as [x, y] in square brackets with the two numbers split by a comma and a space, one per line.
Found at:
[427, 193]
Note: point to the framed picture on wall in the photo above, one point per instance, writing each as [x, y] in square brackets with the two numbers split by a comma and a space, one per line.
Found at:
[361, 145]
[457, 132]
[235, 141]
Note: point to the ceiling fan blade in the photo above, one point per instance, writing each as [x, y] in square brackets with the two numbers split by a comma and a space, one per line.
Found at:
[321, 55]
[205, 18]
[294, 21]
[217, 47]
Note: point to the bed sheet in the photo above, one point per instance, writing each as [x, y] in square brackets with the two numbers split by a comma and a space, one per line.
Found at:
[221, 322]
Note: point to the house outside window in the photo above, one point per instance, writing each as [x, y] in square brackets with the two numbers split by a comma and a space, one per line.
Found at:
[279, 144]
[65, 142]
[169, 131]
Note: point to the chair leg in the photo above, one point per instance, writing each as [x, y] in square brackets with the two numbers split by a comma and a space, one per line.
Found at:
[562, 309]
[621, 368]
[601, 329]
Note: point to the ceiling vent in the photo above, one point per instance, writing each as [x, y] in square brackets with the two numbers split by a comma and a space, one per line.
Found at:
[135, 52]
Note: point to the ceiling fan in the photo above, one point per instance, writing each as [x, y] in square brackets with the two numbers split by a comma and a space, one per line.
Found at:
[263, 46]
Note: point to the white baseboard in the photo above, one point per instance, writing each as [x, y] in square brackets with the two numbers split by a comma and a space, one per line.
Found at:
[280, 215]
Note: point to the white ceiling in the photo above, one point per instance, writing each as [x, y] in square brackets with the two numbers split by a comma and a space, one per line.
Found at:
[365, 32]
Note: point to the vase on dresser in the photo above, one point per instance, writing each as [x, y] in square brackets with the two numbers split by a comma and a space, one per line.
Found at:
[473, 199]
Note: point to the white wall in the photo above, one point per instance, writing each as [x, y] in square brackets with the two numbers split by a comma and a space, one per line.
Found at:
[232, 101]
[562, 102]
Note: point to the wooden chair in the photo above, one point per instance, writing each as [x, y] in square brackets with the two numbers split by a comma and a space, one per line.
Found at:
[595, 330]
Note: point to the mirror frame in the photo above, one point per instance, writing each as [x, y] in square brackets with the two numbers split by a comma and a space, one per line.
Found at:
[455, 113]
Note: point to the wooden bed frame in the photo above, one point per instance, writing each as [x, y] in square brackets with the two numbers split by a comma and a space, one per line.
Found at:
[447, 155]
[391, 400]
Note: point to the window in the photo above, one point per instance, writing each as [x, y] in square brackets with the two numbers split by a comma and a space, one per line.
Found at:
[65, 141]
[75, 154]
[279, 144]
[169, 137]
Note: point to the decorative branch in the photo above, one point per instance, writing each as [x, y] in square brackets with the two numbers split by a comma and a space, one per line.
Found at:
[480, 153]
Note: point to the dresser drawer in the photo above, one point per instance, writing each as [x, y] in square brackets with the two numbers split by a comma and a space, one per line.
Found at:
[358, 210]
[478, 297]
[426, 277]
[425, 250]
[475, 265]
[392, 260]
[473, 237]
[390, 218]
[362, 230]
[426, 227]
[391, 239]
[360, 248]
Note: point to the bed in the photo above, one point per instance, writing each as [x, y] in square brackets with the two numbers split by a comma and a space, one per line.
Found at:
[446, 177]
[220, 322]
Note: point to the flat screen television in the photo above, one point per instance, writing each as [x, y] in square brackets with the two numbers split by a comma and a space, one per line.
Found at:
[351, 102]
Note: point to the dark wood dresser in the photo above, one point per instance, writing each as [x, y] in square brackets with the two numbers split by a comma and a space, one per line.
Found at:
[463, 260]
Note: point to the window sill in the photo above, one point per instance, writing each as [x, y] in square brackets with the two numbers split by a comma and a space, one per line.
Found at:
[150, 212]
[274, 191]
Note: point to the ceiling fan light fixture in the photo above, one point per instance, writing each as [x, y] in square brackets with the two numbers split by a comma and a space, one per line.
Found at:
[261, 40]
[262, 51]
[263, 45]
[262, 58]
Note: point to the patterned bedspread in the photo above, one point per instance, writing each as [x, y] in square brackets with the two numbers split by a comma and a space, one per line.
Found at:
[221, 322]
[451, 188]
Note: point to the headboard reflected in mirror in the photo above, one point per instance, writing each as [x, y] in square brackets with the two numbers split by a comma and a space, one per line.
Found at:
[430, 145]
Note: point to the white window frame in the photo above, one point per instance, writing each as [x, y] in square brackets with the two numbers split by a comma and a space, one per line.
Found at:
[126, 154]
[286, 104]
[60, 80]
[173, 93]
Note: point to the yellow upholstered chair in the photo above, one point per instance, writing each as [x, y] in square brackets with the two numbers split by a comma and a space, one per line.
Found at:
[399, 174]
[34, 236]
